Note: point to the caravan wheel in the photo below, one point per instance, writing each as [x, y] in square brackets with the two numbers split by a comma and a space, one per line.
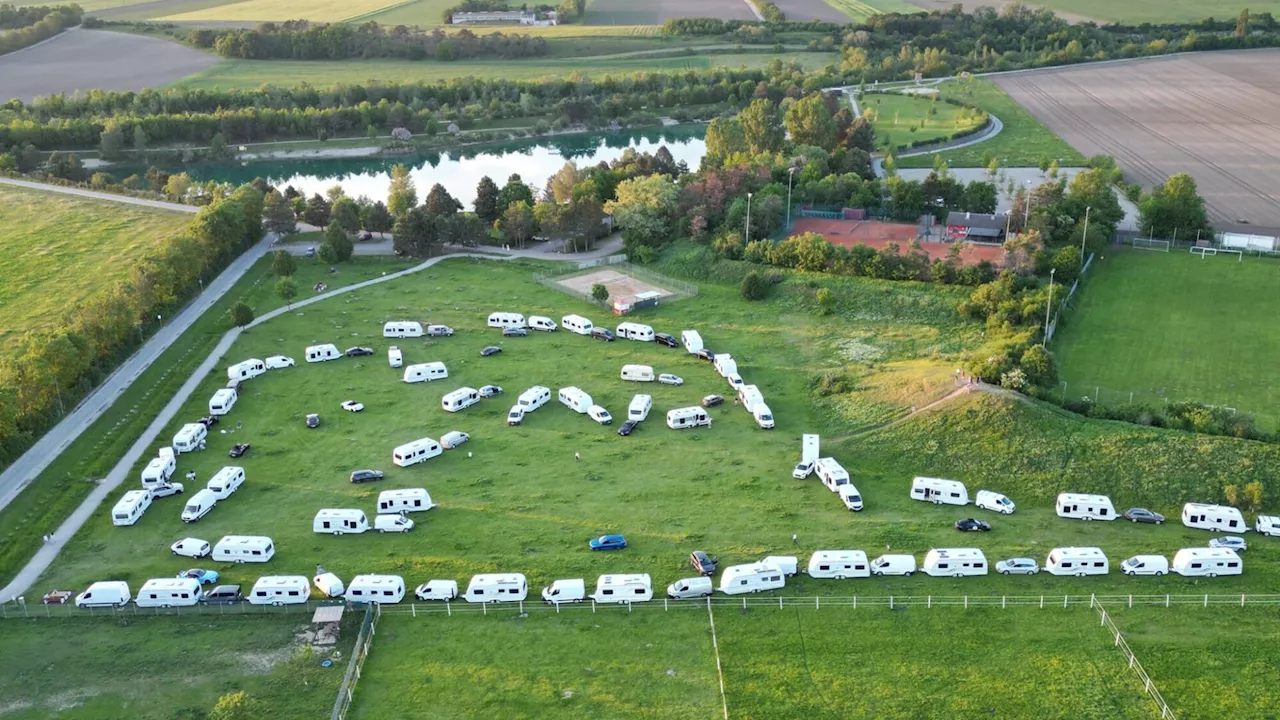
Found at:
[1087, 517]
[382, 530]
[1213, 575]
[1159, 572]
[335, 532]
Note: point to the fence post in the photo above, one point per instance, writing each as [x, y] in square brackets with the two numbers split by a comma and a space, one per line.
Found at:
[1241, 599]
[484, 608]
[1041, 602]
[928, 602]
[413, 609]
[966, 602]
[779, 602]
[1002, 599]
[855, 602]
[890, 602]
[1206, 600]
[1166, 600]
[593, 605]
[1130, 602]
[817, 602]
[1064, 600]
[665, 607]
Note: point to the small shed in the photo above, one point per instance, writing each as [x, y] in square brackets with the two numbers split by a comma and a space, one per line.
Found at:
[975, 227]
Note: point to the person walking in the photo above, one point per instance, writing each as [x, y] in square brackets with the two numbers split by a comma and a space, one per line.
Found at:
[794, 539]
[576, 456]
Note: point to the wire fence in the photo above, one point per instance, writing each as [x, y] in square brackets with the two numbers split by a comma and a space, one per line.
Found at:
[1107, 396]
[1053, 324]
[679, 289]
[346, 691]
[1147, 685]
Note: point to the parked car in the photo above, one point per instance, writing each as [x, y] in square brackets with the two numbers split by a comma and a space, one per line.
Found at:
[669, 379]
[311, 252]
[627, 427]
[703, 563]
[352, 406]
[1017, 566]
[206, 577]
[491, 350]
[705, 354]
[712, 401]
[453, 439]
[489, 391]
[665, 339]
[208, 421]
[363, 476]
[608, 542]
[514, 332]
[190, 547]
[803, 469]
[439, 331]
[313, 420]
[359, 351]
[167, 489]
[239, 449]
[972, 525]
[602, 334]
[1230, 542]
[445, 590]
[224, 595]
[275, 362]
[57, 597]
[1143, 515]
[600, 415]
[364, 236]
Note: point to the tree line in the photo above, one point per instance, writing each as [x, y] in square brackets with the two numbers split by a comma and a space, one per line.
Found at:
[27, 26]
[301, 40]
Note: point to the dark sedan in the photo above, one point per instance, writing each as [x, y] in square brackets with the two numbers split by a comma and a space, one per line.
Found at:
[238, 450]
[1143, 515]
[223, 595]
[358, 351]
[973, 525]
[665, 339]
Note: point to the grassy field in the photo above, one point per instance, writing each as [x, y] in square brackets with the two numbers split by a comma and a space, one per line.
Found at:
[1160, 11]
[278, 10]
[1022, 142]
[64, 250]
[857, 10]
[901, 119]
[1171, 326]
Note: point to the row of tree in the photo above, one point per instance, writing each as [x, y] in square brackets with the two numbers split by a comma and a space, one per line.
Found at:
[13, 17]
[30, 25]
[300, 40]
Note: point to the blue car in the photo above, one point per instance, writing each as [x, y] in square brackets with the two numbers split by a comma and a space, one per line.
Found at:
[204, 576]
[608, 542]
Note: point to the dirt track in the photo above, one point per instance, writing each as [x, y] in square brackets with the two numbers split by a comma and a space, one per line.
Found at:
[1215, 116]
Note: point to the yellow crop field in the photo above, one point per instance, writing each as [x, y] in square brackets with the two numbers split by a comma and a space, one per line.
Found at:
[279, 10]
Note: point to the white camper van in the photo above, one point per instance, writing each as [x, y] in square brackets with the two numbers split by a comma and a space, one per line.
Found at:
[635, 331]
[576, 324]
[639, 408]
[575, 399]
[637, 373]
[939, 491]
[321, 353]
[425, 372]
[894, 565]
[545, 324]
[250, 368]
[850, 496]
[169, 592]
[831, 473]
[395, 358]
[686, 588]
[692, 341]
[565, 591]
[130, 507]
[199, 505]
[763, 416]
[445, 590]
[280, 590]
[504, 320]
[497, 587]
[381, 589]
[808, 456]
[107, 593]
[412, 453]
[725, 365]
[190, 437]
[460, 399]
[1207, 562]
[402, 329]
[954, 562]
[534, 398]
[404, 500]
[754, 577]
[623, 589]
[688, 417]
[1078, 561]
[392, 523]
[1267, 525]
[1145, 565]
[244, 549]
[994, 501]
[226, 481]
[158, 471]
[1217, 518]
[839, 564]
[278, 362]
[1085, 507]
[340, 521]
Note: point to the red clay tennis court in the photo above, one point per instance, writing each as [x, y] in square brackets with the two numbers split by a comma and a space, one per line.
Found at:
[876, 234]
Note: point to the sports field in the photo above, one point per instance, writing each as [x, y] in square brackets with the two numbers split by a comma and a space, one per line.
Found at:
[1171, 326]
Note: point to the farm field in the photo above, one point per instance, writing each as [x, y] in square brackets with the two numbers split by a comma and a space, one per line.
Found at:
[279, 10]
[656, 12]
[857, 10]
[1173, 327]
[896, 116]
[1136, 12]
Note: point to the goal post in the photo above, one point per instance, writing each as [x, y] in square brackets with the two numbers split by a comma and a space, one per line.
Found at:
[1205, 252]
[1151, 244]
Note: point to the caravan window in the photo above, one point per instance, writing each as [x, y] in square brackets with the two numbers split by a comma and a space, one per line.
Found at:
[639, 591]
[775, 578]
[1102, 511]
[1232, 523]
[293, 593]
[1097, 564]
[977, 565]
[1233, 564]
[942, 566]
[607, 592]
[1066, 564]
[479, 592]
[1195, 566]
[824, 567]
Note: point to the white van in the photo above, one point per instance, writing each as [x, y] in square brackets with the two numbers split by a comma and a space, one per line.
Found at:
[639, 408]
[688, 417]
[425, 372]
[1207, 562]
[1078, 561]
[725, 365]
[577, 324]
[954, 562]
[939, 491]
[222, 401]
[340, 521]
[402, 329]
[692, 341]
[226, 481]
[894, 565]
[839, 564]
[565, 591]
[329, 584]
[850, 496]
[623, 589]
[381, 589]
[754, 577]
[460, 399]
[199, 505]
[280, 590]
[107, 593]
[159, 471]
[575, 399]
[190, 437]
[637, 373]
[994, 501]
[392, 523]
[395, 358]
[635, 331]
[1217, 518]
[545, 324]
[321, 353]
[278, 362]
[534, 398]
[686, 588]
[496, 587]
[404, 500]
[831, 473]
[244, 549]
[445, 590]
[788, 564]
[250, 368]
[130, 507]
[506, 320]
[1267, 525]
[1145, 565]
[762, 415]
[412, 453]
[169, 592]
[1085, 507]
[735, 381]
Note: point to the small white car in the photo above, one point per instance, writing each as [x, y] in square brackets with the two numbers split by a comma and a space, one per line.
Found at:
[445, 590]
[166, 490]
[669, 379]
[352, 406]
[1017, 566]
[275, 362]
[515, 415]
[803, 470]
[190, 547]
[489, 391]
[453, 439]
[600, 415]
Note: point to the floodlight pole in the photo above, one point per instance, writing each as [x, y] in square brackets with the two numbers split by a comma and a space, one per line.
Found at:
[1026, 208]
[790, 175]
[1044, 343]
[748, 222]
[1087, 208]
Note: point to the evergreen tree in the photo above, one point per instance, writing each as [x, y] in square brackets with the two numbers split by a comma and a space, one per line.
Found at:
[487, 200]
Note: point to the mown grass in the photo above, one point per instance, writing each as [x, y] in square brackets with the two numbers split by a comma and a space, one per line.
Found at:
[279, 10]
[857, 10]
[903, 119]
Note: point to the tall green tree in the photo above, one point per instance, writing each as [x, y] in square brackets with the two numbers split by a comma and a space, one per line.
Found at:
[402, 196]
[486, 203]
[283, 264]
[287, 290]
[241, 314]
[724, 138]
[112, 140]
[514, 191]
[644, 208]
[440, 202]
[336, 238]
[277, 215]
[378, 218]
[516, 223]
[760, 127]
[317, 211]
[1174, 209]
[810, 123]
[417, 233]
[345, 214]
[139, 139]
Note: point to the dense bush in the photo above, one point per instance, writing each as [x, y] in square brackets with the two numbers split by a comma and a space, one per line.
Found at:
[300, 40]
[29, 25]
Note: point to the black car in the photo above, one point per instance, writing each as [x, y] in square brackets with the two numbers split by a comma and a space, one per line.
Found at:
[363, 476]
[239, 450]
[313, 420]
[972, 525]
[515, 332]
[208, 421]
[491, 350]
[365, 236]
[602, 334]
[358, 351]
[703, 563]
[1143, 515]
[705, 354]
[627, 427]
[712, 401]
[665, 339]
[224, 595]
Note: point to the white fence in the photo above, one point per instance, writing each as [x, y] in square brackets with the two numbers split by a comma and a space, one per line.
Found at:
[1053, 325]
[1147, 686]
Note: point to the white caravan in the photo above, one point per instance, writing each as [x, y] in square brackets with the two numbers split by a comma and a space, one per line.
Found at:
[637, 373]
[226, 481]
[412, 453]
[425, 372]
[190, 437]
[340, 521]
[534, 398]
[395, 358]
[1145, 565]
[402, 329]
[545, 324]
[1078, 561]
[1085, 507]
[496, 587]
[565, 591]
[130, 507]
[688, 417]
[686, 588]
[639, 408]
[392, 523]
[506, 320]
[735, 381]
[850, 496]
[1217, 518]
[381, 589]
[754, 577]
[244, 549]
[404, 500]
[278, 362]
[939, 491]
[749, 396]
[158, 471]
[623, 589]
[635, 331]
[1267, 525]
[994, 501]
[169, 592]
[1207, 562]
[894, 565]
[954, 562]
[321, 353]
[788, 564]
[839, 564]
[831, 473]
[250, 368]
[692, 341]
[199, 505]
[280, 590]
[460, 399]
[575, 399]
[107, 593]
[725, 365]
[576, 324]
[809, 448]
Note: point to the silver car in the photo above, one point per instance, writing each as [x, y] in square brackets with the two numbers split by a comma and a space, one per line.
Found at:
[1230, 542]
[1017, 566]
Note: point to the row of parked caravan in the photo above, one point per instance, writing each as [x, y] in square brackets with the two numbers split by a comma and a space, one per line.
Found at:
[392, 508]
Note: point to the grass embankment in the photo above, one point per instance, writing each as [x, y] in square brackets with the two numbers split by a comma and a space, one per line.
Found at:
[903, 119]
